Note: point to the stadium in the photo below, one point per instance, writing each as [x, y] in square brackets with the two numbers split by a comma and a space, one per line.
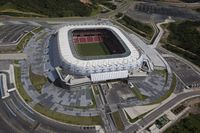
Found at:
[100, 52]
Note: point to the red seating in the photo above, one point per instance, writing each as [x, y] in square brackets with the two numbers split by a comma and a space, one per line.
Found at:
[76, 40]
[90, 39]
[87, 39]
[96, 38]
[82, 39]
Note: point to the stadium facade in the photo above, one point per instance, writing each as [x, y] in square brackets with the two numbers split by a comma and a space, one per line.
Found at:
[78, 56]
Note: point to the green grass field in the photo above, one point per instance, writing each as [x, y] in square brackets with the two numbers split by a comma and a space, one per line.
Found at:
[78, 120]
[91, 49]
[38, 81]
[19, 85]
[118, 121]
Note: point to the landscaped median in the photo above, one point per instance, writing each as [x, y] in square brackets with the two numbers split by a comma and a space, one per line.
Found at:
[26, 38]
[77, 120]
[38, 81]
[168, 93]
[24, 41]
[163, 73]
[136, 118]
[19, 85]
[36, 30]
[118, 121]
[137, 94]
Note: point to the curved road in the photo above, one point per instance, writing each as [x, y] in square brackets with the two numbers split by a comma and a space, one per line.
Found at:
[16, 116]
[149, 118]
[19, 117]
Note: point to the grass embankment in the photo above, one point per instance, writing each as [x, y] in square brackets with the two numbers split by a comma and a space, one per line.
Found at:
[36, 30]
[78, 120]
[118, 121]
[24, 41]
[137, 93]
[17, 13]
[38, 81]
[184, 40]
[136, 118]
[19, 85]
[26, 38]
[91, 49]
[93, 99]
[16, 62]
[189, 124]
[168, 93]
[96, 91]
[142, 29]
[163, 73]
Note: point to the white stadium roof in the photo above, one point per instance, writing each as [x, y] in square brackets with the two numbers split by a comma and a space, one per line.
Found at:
[109, 75]
[87, 67]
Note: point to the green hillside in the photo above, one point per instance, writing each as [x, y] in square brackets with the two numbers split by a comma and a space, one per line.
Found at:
[189, 124]
[50, 8]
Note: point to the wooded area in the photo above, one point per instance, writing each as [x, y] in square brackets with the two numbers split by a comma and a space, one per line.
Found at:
[51, 8]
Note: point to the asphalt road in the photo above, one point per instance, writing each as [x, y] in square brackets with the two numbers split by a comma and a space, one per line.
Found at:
[10, 122]
[5, 128]
[18, 117]
[143, 122]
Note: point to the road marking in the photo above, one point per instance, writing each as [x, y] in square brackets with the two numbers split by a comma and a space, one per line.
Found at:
[24, 106]
[13, 89]
[22, 112]
[10, 109]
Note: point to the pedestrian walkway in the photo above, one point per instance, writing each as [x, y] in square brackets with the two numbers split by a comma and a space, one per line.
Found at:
[16, 56]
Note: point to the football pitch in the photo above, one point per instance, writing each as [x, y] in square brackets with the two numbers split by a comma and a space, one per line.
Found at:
[91, 49]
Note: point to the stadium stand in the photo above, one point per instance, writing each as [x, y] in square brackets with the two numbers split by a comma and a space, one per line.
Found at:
[98, 36]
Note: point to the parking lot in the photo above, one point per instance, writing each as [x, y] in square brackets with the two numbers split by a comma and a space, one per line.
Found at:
[166, 11]
[35, 52]
[157, 12]
[151, 88]
[11, 34]
[184, 72]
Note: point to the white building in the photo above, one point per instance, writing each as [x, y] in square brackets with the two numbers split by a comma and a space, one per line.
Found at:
[99, 69]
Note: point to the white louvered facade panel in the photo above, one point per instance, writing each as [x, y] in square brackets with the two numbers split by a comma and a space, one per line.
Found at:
[109, 76]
